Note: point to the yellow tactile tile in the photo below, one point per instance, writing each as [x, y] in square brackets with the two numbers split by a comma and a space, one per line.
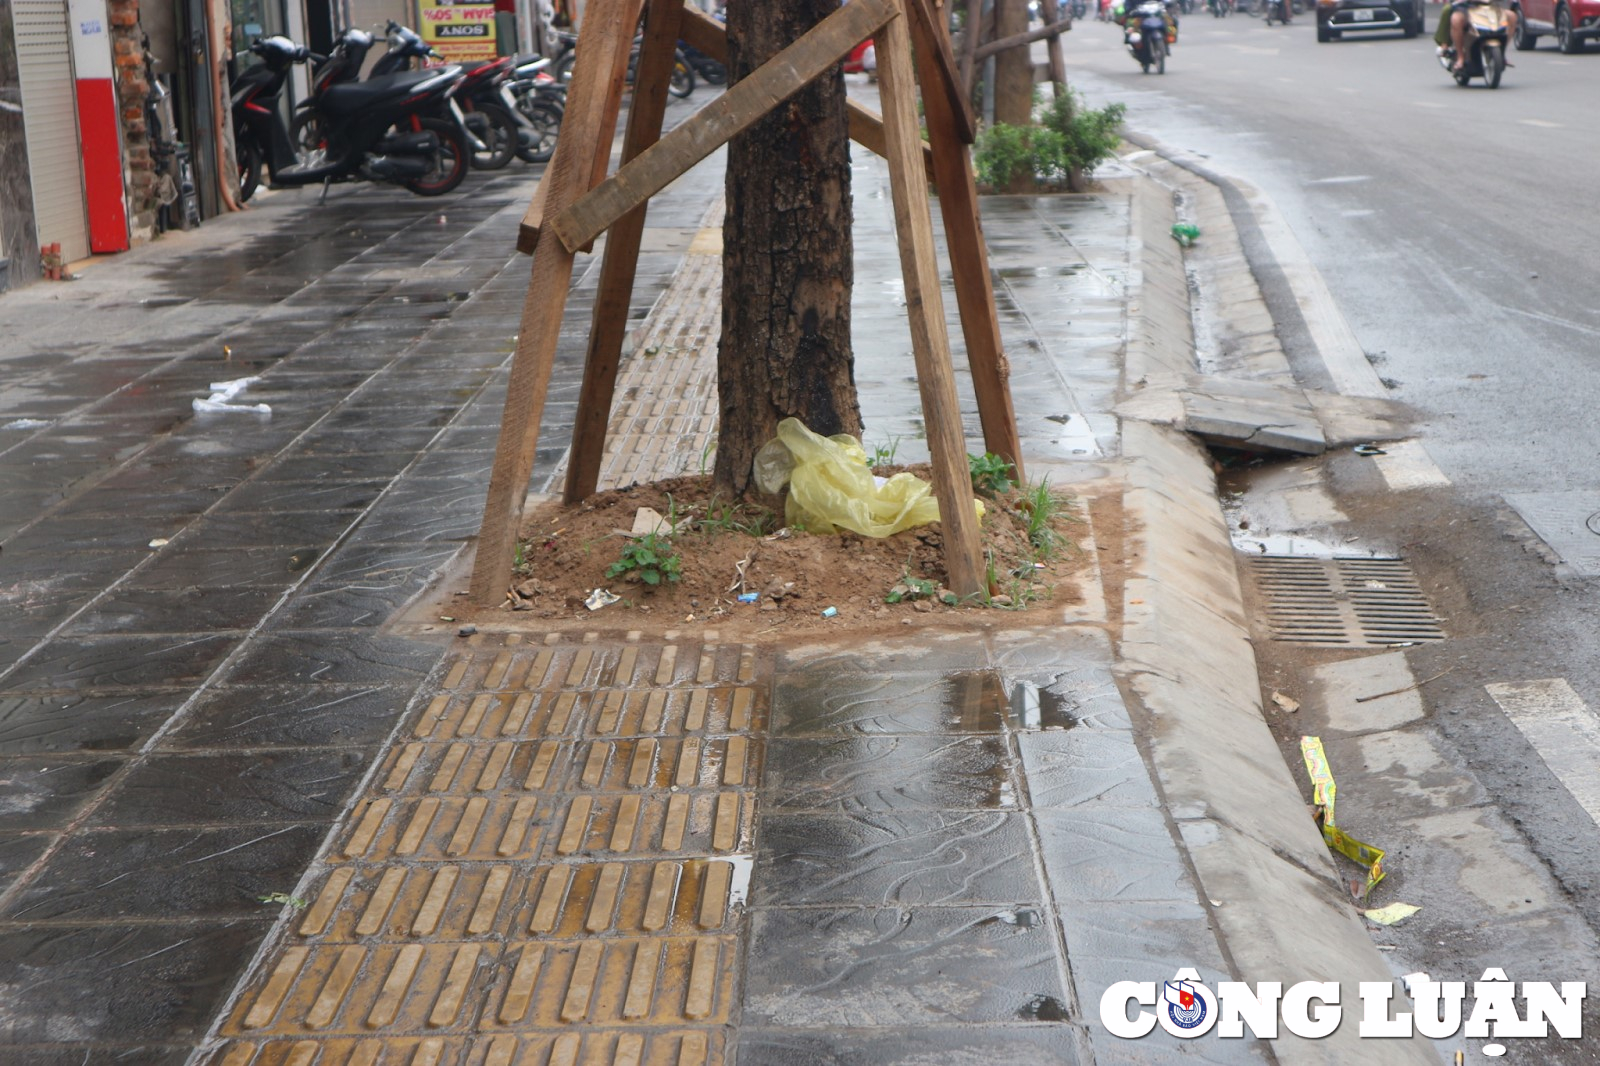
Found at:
[536, 873]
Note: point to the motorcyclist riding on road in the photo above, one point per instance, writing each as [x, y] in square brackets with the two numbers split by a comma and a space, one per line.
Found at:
[1119, 15]
[1456, 37]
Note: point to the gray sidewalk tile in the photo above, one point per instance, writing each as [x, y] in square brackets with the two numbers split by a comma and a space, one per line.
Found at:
[203, 874]
[289, 716]
[1096, 852]
[894, 858]
[232, 788]
[888, 773]
[890, 967]
[82, 722]
[991, 1045]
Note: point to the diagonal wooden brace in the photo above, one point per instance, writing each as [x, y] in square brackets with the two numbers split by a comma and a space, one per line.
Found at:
[714, 125]
[705, 33]
[928, 31]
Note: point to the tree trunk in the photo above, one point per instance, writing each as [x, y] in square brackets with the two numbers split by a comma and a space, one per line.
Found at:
[1013, 68]
[787, 254]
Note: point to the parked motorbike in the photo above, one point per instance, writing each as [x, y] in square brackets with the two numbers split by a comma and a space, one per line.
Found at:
[1486, 45]
[1144, 31]
[400, 128]
[682, 83]
[541, 101]
[489, 111]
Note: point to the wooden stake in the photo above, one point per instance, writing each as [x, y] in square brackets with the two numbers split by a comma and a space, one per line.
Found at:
[731, 113]
[941, 409]
[969, 265]
[609, 324]
[1017, 40]
[601, 62]
[926, 28]
[1058, 63]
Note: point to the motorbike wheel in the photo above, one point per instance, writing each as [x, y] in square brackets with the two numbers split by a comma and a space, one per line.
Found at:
[455, 159]
[545, 118]
[500, 135]
[1161, 57]
[305, 133]
[682, 83]
[1494, 63]
[249, 154]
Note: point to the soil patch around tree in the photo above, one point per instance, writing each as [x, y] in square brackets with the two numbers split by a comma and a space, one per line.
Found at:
[788, 578]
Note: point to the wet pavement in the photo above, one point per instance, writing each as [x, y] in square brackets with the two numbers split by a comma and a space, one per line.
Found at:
[204, 696]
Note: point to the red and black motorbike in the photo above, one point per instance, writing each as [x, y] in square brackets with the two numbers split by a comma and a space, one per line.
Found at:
[401, 128]
[489, 110]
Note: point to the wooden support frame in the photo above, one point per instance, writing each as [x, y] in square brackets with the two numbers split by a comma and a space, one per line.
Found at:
[577, 205]
[1051, 10]
[609, 324]
[930, 346]
[729, 114]
[969, 259]
[597, 78]
[705, 33]
[929, 32]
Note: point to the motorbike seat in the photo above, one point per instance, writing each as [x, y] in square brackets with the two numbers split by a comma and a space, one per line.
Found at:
[349, 97]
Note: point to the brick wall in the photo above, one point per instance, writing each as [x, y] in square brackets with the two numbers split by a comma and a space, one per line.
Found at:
[132, 90]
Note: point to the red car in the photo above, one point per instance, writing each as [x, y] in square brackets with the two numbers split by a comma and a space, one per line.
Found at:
[1572, 22]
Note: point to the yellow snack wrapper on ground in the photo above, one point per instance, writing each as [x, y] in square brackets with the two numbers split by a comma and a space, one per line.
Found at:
[1323, 794]
[831, 487]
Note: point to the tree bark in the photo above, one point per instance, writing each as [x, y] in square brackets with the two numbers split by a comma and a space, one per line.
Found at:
[1013, 68]
[787, 254]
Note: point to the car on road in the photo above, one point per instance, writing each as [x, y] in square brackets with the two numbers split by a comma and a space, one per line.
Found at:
[1338, 17]
[1572, 22]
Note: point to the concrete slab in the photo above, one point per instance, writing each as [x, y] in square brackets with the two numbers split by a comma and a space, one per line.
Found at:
[1368, 694]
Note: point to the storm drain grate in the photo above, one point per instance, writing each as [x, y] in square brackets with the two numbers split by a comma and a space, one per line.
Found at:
[1343, 602]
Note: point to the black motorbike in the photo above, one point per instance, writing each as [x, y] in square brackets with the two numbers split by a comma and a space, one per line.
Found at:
[400, 128]
[488, 108]
[1144, 31]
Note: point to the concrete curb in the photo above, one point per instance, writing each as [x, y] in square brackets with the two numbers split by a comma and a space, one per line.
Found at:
[1277, 901]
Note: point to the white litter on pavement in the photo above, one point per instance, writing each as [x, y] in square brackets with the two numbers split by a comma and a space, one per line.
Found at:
[222, 394]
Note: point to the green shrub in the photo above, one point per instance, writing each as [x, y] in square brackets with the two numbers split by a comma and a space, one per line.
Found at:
[1001, 152]
[1070, 141]
[1089, 135]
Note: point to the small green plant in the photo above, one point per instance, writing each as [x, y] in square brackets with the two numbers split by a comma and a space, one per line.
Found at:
[521, 561]
[284, 899]
[732, 516]
[1042, 507]
[705, 455]
[990, 473]
[883, 454]
[650, 559]
[910, 588]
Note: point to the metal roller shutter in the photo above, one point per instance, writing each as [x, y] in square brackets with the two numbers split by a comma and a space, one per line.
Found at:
[50, 117]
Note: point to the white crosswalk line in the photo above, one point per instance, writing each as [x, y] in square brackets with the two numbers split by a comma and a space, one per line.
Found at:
[1562, 729]
[1407, 465]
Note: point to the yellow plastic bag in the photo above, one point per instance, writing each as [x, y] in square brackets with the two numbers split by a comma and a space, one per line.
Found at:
[831, 486]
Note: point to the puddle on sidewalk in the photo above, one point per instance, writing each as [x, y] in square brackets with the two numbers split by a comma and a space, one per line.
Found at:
[982, 701]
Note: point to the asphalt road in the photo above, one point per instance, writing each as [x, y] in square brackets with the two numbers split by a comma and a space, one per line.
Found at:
[1451, 228]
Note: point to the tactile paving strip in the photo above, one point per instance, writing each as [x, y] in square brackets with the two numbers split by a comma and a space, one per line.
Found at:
[545, 869]
[1343, 602]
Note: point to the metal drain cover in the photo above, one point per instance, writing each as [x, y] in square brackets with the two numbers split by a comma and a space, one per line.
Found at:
[1343, 602]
